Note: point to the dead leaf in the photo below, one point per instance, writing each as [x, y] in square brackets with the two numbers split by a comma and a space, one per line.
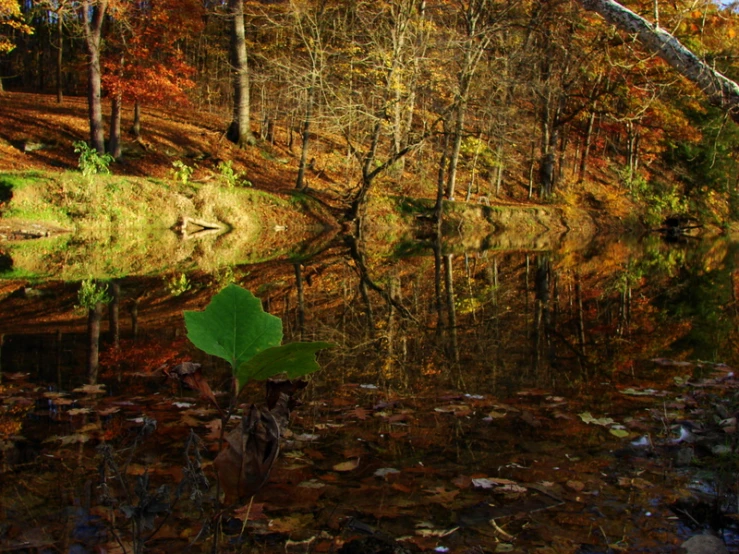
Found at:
[91, 389]
[252, 511]
[462, 481]
[349, 465]
[385, 471]
[290, 524]
[214, 429]
[490, 482]
[429, 532]
[243, 466]
[190, 375]
[577, 486]
[442, 496]
[359, 413]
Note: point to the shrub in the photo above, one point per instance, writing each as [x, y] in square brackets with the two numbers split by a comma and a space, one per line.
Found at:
[91, 162]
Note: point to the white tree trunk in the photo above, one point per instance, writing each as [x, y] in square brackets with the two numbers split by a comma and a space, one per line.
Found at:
[721, 91]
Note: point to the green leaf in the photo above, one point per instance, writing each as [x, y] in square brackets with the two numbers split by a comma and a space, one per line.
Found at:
[295, 359]
[620, 433]
[233, 326]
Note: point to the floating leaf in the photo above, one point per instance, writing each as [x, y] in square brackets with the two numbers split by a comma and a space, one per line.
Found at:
[233, 326]
[588, 418]
[350, 465]
[620, 433]
[295, 359]
[384, 471]
[91, 389]
[490, 482]
[643, 392]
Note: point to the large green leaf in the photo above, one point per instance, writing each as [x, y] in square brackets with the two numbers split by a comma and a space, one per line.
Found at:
[233, 326]
[295, 359]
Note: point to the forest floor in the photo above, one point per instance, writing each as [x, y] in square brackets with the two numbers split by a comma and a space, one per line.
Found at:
[37, 133]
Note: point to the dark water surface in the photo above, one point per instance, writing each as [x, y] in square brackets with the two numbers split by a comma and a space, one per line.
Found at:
[499, 401]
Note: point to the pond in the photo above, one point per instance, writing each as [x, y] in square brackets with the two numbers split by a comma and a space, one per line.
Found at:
[579, 400]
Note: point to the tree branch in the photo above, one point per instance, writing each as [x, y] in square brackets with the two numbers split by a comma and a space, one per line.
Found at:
[720, 90]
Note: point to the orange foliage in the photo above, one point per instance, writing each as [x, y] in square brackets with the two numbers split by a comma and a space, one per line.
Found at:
[143, 61]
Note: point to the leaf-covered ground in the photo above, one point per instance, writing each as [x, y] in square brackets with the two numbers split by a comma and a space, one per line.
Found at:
[360, 468]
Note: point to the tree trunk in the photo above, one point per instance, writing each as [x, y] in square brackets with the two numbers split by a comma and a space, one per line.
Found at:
[114, 313]
[59, 57]
[456, 147]
[136, 127]
[115, 126]
[239, 132]
[300, 182]
[93, 334]
[720, 90]
[93, 14]
[586, 147]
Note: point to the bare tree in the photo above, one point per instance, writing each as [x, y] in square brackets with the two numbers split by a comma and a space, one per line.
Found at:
[239, 131]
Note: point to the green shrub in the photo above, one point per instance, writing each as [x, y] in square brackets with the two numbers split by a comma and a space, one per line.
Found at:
[181, 171]
[91, 162]
[231, 177]
[92, 293]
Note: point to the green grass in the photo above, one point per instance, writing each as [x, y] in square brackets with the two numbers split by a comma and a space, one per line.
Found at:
[121, 225]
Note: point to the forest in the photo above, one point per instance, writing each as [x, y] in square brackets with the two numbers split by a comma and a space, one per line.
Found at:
[552, 383]
[475, 100]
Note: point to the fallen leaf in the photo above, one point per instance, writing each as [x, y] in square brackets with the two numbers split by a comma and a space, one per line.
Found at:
[586, 417]
[577, 486]
[243, 466]
[91, 389]
[490, 482]
[442, 496]
[214, 429]
[451, 408]
[436, 532]
[349, 465]
[462, 481]
[359, 413]
[402, 488]
[290, 524]
[385, 471]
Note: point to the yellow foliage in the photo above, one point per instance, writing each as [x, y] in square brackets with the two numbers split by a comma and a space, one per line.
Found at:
[10, 16]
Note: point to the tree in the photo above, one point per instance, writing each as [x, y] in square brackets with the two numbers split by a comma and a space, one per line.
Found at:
[143, 62]
[720, 90]
[239, 132]
[10, 17]
[93, 14]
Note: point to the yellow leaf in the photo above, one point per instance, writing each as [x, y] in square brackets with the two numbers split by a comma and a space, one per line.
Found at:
[349, 465]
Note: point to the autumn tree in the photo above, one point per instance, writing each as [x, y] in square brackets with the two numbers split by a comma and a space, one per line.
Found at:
[374, 102]
[309, 23]
[11, 21]
[143, 62]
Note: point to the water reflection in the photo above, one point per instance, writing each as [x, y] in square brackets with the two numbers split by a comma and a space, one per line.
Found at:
[413, 334]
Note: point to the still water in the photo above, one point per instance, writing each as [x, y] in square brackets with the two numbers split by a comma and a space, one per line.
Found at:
[496, 401]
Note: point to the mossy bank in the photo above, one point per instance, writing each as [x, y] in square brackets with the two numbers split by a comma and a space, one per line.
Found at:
[106, 226]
